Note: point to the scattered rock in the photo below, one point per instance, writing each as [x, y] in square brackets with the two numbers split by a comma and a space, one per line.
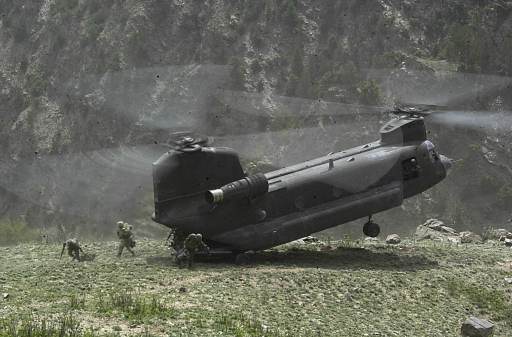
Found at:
[453, 239]
[508, 280]
[475, 327]
[310, 239]
[5, 296]
[434, 224]
[470, 237]
[508, 242]
[393, 239]
[183, 290]
[499, 234]
[448, 230]
[307, 239]
[369, 239]
[434, 229]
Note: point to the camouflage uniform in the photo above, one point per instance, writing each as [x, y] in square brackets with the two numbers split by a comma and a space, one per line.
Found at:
[176, 239]
[73, 247]
[125, 235]
[191, 246]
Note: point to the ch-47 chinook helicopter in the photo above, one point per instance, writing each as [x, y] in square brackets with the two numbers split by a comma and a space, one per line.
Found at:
[201, 189]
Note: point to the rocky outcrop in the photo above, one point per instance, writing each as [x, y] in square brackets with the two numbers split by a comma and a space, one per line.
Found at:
[81, 76]
[434, 229]
[393, 239]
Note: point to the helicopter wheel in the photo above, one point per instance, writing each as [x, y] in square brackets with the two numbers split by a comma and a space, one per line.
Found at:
[371, 229]
[243, 258]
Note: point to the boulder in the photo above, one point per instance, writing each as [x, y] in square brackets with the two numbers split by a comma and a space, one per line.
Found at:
[393, 239]
[5, 296]
[439, 226]
[508, 242]
[310, 239]
[369, 239]
[476, 327]
[499, 234]
[434, 229]
[448, 230]
[470, 237]
[434, 224]
[425, 233]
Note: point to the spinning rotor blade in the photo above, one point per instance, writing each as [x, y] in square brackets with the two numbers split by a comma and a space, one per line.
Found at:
[444, 88]
[163, 97]
[258, 104]
[500, 122]
[85, 183]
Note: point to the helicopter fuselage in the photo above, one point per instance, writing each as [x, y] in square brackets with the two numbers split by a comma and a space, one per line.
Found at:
[259, 212]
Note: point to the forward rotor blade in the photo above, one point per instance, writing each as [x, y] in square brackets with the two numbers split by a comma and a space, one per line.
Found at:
[436, 87]
[489, 121]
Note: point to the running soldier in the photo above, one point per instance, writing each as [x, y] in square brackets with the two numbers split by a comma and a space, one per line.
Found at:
[125, 235]
[74, 249]
[192, 245]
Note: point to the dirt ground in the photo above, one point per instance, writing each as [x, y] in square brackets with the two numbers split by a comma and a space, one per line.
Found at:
[351, 288]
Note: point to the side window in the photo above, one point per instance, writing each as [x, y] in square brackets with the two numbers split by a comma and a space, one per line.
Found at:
[410, 169]
[432, 151]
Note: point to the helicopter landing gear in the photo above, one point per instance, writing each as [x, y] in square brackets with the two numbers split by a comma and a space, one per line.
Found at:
[244, 258]
[370, 228]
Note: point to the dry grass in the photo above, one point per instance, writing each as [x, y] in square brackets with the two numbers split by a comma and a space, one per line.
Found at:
[356, 288]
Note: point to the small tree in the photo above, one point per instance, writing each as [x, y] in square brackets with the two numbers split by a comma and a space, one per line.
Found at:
[369, 93]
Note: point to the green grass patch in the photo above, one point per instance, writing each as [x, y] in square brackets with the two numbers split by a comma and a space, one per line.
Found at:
[134, 307]
[241, 326]
[15, 231]
[29, 326]
[492, 302]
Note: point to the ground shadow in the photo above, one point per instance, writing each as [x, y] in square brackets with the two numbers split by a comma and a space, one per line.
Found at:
[339, 258]
[161, 261]
[345, 258]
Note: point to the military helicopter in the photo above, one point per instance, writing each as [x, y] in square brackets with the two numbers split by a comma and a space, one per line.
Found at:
[116, 175]
[203, 189]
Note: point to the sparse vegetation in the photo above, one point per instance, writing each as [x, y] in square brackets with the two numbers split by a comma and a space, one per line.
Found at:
[132, 306]
[369, 93]
[295, 290]
[30, 326]
[487, 300]
[14, 231]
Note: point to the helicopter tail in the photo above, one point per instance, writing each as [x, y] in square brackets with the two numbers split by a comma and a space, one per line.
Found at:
[181, 178]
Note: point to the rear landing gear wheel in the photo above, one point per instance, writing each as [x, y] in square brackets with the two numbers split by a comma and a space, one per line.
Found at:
[371, 229]
[245, 258]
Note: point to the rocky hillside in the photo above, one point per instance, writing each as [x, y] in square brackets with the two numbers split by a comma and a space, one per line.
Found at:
[79, 78]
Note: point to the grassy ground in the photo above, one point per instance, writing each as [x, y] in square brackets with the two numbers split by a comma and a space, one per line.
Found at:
[356, 289]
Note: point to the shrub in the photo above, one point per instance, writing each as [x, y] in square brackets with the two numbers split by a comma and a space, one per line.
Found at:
[369, 93]
[15, 231]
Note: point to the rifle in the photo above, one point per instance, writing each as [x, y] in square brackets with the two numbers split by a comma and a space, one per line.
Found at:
[62, 252]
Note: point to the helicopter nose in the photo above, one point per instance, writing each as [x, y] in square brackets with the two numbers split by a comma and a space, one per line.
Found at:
[447, 163]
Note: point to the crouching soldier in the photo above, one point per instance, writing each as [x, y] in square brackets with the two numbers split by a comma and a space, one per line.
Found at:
[74, 249]
[192, 245]
[126, 240]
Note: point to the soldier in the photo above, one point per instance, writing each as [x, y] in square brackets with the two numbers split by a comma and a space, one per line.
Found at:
[176, 239]
[74, 249]
[191, 246]
[125, 235]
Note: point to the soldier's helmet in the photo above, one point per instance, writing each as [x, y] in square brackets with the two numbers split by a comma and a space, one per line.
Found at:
[120, 224]
[199, 236]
